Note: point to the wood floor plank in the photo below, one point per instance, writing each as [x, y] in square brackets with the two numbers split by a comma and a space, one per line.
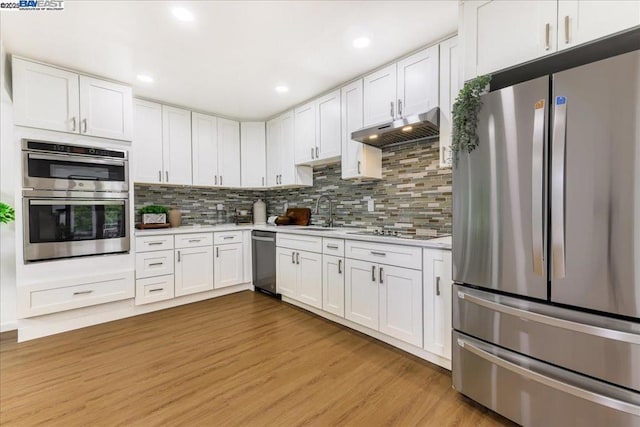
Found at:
[240, 360]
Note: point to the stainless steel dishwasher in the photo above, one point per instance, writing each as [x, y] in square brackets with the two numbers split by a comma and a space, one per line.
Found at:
[263, 247]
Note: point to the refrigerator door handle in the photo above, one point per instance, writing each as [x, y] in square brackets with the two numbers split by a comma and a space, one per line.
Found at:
[557, 187]
[552, 321]
[551, 382]
[537, 180]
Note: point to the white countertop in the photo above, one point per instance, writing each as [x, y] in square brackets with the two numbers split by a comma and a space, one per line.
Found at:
[337, 233]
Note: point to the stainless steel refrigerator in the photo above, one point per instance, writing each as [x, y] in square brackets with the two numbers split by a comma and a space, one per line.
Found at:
[546, 250]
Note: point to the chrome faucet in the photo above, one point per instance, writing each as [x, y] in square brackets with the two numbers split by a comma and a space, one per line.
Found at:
[330, 222]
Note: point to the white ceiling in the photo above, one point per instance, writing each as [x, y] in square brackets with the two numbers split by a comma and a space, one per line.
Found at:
[230, 58]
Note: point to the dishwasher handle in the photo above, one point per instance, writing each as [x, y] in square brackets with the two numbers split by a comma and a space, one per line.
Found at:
[263, 239]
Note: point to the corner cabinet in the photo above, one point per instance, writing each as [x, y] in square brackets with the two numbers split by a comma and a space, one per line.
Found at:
[281, 168]
[501, 34]
[253, 155]
[50, 98]
[358, 160]
[437, 302]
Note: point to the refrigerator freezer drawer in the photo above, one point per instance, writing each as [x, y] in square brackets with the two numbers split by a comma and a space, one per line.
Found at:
[601, 347]
[533, 393]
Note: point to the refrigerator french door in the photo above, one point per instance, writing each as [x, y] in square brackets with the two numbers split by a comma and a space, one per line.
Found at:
[546, 249]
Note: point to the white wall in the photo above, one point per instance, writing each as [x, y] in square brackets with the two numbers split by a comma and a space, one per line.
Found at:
[8, 172]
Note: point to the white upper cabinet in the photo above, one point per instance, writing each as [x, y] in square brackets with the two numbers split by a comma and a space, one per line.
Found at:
[204, 143]
[380, 96]
[358, 160]
[176, 141]
[106, 109]
[450, 85]
[274, 149]
[253, 154]
[328, 145]
[501, 34]
[50, 98]
[580, 21]
[417, 83]
[407, 87]
[45, 97]
[229, 153]
[147, 149]
[281, 167]
[305, 132]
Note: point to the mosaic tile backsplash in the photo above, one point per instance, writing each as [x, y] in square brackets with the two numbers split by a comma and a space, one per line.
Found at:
[414, 195]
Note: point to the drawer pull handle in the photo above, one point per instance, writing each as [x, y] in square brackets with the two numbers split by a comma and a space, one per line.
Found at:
[156, 290]
[194, 240]
[333, 247]
[378, 253]
[229, 237]
[154, 243]
[82, 292]
[153, 264]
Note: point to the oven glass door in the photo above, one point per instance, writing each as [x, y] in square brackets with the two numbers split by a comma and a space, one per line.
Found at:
[68, 172]
[58, 228]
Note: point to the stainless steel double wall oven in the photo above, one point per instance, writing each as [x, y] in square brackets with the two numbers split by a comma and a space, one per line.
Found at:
[75, 200]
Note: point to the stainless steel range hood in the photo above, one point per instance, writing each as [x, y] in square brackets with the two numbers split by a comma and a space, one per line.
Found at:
[411, 128]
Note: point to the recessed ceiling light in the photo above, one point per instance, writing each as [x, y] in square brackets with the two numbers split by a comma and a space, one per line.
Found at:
[182, 14]
[361, 42]
[145, 78]
[282, 89]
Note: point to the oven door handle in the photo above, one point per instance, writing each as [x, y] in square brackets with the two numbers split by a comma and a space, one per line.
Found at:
[75, 159]
[42, 202]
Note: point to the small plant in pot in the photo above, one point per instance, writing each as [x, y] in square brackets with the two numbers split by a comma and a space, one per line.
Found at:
[154, 214]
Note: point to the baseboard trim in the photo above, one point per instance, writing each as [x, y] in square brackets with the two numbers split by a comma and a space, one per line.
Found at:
[8, 326]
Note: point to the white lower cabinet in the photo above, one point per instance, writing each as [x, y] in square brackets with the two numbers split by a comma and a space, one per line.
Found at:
[153, 289]
[333, 284]
[299, 275]
[193, 270]
[361, 293]
[228, 267]
[286, 272]
[437, 302]
[401, 303]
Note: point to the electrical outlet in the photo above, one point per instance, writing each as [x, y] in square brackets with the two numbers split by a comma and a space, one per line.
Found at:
[220, 207]
[370, 205]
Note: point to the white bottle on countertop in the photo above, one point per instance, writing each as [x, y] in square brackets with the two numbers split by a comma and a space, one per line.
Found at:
[259, 212]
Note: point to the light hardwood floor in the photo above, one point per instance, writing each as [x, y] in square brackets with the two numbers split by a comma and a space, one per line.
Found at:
[244, 359]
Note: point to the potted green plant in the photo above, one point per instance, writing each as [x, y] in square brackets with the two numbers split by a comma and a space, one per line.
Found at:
[7, 214]
[154, 214]
[465, 115]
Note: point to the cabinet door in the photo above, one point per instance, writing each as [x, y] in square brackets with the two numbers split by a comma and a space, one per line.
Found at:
[328, 127]
[500, 34]
[229, 152]
[358, 160]
[418, 82]
[401, 303]
[45, 97]
[450, 85]
[333, 284]
[193, 270]
[361, 292]
[204, 143]
[176, 140]
[228, 266]
[305, 133]
[380, 96]
[274, 151]
[437, 302]
[286, 273]
[253, 154]
[580, 21]
[147, 142]
[309, 278]
[105, 109]
[288, 172]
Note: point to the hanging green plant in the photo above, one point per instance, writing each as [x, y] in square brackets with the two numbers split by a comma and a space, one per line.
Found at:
[465, 115]
[7, 214]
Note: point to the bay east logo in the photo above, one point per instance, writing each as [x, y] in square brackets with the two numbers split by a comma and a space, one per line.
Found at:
[33, 5]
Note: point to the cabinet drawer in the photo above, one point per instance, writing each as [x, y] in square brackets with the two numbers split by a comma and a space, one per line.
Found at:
[333, 247]
[156, 263]
[193, 240]
[154, 289]
[401, 256]
[154, 243]
[224, 237]
[299, 242]
[88, 292]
